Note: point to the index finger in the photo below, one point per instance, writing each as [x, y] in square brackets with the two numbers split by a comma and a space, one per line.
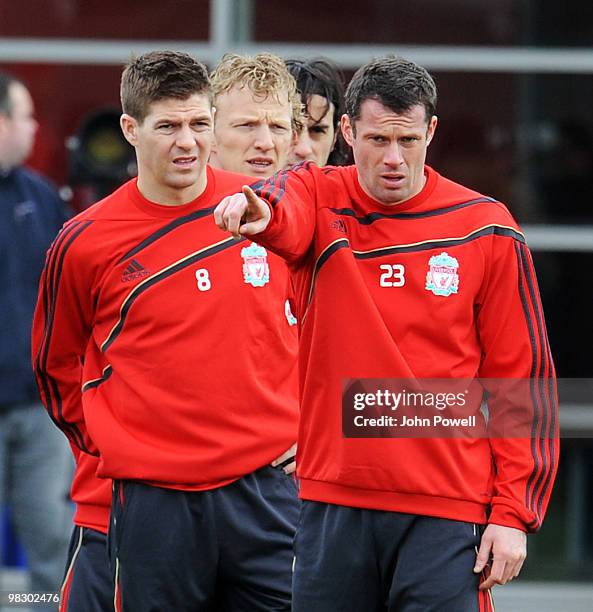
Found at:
[250, 194]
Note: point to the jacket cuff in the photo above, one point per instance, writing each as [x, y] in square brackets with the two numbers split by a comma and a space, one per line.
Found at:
[507, 517]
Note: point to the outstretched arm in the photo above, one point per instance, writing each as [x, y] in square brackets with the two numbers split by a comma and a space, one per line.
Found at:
[279, 214]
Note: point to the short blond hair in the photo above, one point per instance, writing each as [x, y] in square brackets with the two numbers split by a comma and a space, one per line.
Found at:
[264, 74]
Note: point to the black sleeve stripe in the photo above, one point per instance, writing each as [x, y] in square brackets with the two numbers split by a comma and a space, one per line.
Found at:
[554, 430]
[275, 187]
[258, 184]
[48, 283]
[547, 439]
[46, 274]
[546, 403]
[163, 231]
[263, 189]
[281, 189]
[532, 374]
[55, 264]
[149, 281]
[543, 394]
[372, 217]
[58, 262]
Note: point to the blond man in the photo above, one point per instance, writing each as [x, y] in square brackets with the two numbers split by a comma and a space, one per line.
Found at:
[258, 113]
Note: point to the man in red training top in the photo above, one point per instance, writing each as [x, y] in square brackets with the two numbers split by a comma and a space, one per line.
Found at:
[403, 274]
[141, 304]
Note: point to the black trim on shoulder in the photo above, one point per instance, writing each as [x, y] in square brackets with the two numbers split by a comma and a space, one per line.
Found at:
[198, 214]
[408, 248]
[159, 276]
[372, 217]
[323, 257]
[336, 246]
[435, 244]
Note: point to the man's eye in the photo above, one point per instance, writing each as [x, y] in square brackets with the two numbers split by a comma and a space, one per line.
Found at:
[317, 129]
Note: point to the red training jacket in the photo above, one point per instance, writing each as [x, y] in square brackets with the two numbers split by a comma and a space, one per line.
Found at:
[368, 309]
[163, 347]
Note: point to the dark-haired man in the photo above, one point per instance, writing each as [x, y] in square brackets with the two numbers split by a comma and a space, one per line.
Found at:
[402, 274]
[321, 85]
[34, 463]
[138, 379]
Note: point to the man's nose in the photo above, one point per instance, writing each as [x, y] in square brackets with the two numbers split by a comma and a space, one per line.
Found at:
[303, 147]
[185, 138]
[263, 138]
[393, 155]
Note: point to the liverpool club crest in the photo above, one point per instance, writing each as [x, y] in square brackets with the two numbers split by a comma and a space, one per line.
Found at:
[442, 278]
[256, 270]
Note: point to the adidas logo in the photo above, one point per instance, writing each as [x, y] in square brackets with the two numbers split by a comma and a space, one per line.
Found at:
[134, 271]
[339, 225]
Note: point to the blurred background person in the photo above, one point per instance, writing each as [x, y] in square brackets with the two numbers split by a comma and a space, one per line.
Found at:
[34, 456]
[258, 114]
[321, 85]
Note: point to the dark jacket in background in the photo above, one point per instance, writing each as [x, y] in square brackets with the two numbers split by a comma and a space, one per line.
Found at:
[31, 214]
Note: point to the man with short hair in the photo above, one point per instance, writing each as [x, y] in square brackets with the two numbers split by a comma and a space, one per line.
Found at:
[321, 85]
[147, 344]
[403, 275]
[257, 114]
[34, 462]
[255, 99]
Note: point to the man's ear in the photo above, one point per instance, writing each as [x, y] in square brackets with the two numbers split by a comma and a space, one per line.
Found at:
[129, 127]
[432, 126]
[347, 131]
